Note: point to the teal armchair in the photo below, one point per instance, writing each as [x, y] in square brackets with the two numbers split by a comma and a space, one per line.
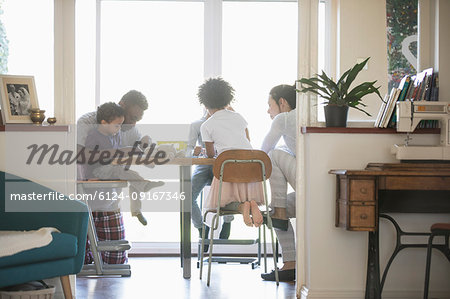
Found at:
[63, 256]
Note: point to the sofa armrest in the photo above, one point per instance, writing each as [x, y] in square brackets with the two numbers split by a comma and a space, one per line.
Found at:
[68, 216]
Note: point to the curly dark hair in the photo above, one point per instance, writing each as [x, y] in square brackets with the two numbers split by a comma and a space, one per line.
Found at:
[134, 97]
[215, 93]
[108, 112]
[286, 92]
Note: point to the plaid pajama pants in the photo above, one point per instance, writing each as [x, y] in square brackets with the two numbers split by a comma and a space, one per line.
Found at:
[109, 226]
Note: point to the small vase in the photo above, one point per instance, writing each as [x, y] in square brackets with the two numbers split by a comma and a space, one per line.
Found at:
[336, 116]
[37, 116]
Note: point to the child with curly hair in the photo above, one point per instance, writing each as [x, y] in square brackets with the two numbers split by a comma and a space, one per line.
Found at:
[226, 130]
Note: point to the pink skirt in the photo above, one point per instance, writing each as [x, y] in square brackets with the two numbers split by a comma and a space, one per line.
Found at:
[234, 192]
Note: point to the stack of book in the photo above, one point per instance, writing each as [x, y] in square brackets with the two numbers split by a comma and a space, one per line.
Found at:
[421, 87]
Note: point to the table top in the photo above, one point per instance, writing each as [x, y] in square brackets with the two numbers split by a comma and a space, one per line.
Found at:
[185, 161]
[398, 169]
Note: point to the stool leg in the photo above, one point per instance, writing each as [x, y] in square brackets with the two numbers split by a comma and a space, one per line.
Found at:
[428, 266]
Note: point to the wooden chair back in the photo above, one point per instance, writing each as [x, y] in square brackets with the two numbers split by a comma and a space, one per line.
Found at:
[242, 172]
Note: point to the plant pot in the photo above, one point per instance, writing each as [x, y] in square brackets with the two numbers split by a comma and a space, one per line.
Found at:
[336, 116]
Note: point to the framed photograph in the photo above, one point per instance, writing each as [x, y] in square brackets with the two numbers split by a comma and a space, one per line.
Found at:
[18, 96]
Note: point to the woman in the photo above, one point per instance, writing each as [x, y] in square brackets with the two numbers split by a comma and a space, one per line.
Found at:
[282, 109]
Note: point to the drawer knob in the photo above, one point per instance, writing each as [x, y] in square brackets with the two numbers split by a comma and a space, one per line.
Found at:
[363, 216]
[363, 190]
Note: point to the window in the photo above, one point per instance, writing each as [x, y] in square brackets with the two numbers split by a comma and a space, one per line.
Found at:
[322, 48]
[259, 52]
[160, 49]
[402, 39]
[28, 26]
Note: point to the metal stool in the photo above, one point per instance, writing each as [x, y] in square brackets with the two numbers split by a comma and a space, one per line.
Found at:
[437, 229]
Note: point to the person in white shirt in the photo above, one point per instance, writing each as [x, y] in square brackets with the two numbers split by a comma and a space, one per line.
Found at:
[226, 130]
[201, 177]
[282, 109]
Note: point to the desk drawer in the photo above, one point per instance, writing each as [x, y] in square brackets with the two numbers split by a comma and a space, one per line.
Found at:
[362, 216]
[362, 190]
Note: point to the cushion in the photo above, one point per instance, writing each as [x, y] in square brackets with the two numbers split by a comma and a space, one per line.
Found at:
[63, 246]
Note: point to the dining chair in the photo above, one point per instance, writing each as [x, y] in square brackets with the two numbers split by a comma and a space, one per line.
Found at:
[238, 166]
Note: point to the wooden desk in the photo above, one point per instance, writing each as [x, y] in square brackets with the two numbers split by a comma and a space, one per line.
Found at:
[363, 196]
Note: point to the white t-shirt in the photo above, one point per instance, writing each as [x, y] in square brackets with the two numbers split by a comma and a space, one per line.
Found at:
[227, 130]
[283, 125]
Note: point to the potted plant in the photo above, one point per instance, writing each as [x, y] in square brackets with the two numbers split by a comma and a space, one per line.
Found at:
[338, 95]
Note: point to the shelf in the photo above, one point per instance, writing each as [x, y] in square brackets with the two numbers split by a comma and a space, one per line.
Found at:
[337, 130]
[33, 128]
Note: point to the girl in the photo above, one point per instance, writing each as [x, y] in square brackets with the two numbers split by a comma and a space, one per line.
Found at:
[226, 130]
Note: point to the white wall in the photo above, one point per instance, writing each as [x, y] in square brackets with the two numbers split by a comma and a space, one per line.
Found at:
[14, 155]
[444, 50]
[362, 34]
[337, 258]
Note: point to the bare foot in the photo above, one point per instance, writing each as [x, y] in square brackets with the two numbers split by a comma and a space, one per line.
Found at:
[244, 208]
[256, 214]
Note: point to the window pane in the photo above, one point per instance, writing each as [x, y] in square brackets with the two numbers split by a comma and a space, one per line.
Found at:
[402, 39]
[259, 52]
[29, 29]
[156, 48]
[85, 56]
[321, 45]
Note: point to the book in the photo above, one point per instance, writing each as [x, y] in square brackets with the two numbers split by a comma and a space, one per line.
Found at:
[435, 88]
[383, 116]
[410, 90]
[404, 85]
[390, 107]
[423, 81]
[381, 111]
[391, 112]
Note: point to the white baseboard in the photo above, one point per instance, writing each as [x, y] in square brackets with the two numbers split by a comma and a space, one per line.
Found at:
[359, 294]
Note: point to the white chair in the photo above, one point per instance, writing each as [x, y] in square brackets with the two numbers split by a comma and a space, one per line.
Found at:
[99, 268]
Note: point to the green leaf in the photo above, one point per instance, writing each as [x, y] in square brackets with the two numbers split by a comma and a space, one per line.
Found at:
[312, 86]
[353, 73]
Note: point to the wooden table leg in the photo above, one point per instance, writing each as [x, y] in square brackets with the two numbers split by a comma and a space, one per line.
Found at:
[373, 290]
[185, 180]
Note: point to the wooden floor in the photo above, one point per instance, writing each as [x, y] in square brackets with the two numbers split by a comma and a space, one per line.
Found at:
[156, 277]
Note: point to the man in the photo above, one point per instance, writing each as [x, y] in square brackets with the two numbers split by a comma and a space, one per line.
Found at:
[107, 216]
[282, 109]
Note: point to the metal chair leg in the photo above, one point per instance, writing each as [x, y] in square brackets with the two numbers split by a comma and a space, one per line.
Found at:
[259, 244]
[213, 227]
[265, 249]
[201, 249]
[93, 244]
[427, 268]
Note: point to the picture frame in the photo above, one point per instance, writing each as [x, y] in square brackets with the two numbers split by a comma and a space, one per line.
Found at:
[17, 96]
